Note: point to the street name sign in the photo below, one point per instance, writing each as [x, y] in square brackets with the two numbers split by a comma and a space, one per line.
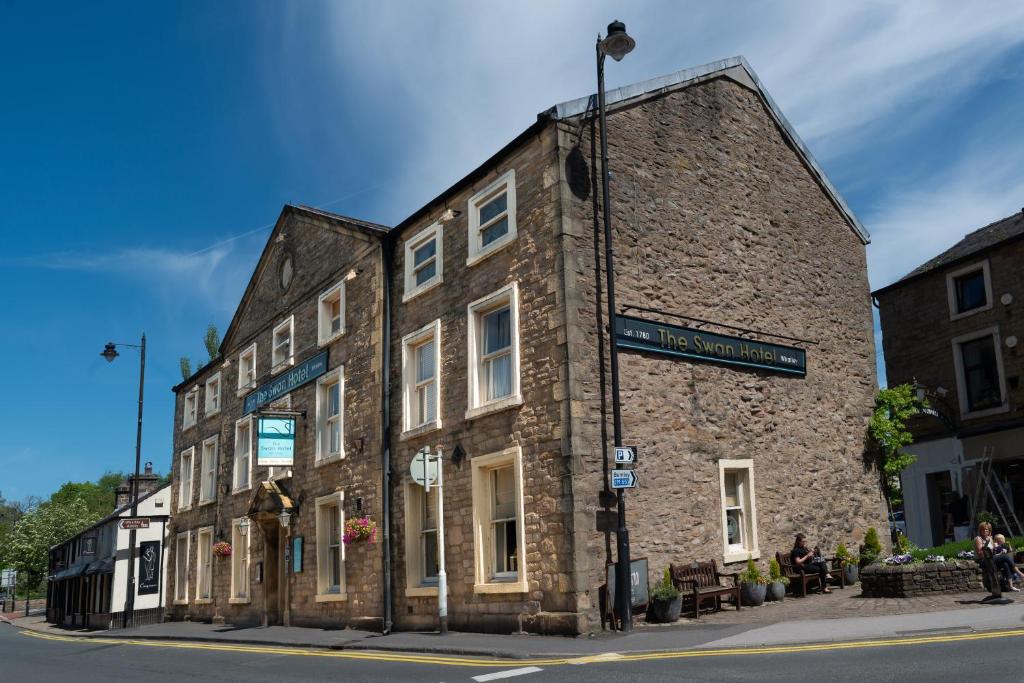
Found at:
[624, 479]
[134, 523]
[625, 454]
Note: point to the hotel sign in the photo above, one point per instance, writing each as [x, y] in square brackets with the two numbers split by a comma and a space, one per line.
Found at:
[275, 441]
[683, 342]
[303, 373]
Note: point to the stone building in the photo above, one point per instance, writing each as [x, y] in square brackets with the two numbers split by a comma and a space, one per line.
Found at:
[483, 311]
[952, 326]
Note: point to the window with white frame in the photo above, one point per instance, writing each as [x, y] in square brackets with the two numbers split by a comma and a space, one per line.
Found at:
[212, 394]
[424, 261]
[330, 552]
[190, 409]
[492, 218]
[969, 290]
[421, 557]
[181, 548]
[980, 377]
[208, 471]
[283, 352]
[739, 514]
[494, 351]
[247, 370]
[239, 561]
[498, 528]
[421, 362]
[241, 468]
[204, 565]
[331, 313]
[185, 465]
[329, 410]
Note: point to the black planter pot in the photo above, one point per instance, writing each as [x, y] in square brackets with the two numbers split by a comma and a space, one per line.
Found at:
[753, 594]
[776, 592]
[666, 611]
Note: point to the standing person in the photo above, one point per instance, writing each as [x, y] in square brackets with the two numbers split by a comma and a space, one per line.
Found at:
[985, 551]
[807, 561]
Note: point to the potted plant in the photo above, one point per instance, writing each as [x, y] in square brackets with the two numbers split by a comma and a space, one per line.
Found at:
[753, 585]
[776, 582]
[666, 601]
[359, 530]
[849, 560]
[222, 549]
[871, 550]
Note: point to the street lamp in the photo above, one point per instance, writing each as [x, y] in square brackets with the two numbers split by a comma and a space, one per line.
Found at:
[110, 353]
[617, 44]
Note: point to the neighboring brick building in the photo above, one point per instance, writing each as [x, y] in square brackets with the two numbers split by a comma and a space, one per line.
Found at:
[952, 326]
[483, 310]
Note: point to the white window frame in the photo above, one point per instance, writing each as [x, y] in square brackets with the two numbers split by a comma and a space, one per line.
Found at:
[336, 375]
[961, 380]
[410, 343]
[323, 316]
[209, 463]
[237, 556]
[416, 585]
[244, 385]
[190, 409]
[482, 466]
[748, 503]
[507, 295]
[248, 422]
[181, 590]
[209, 410]
[277, 362]
[434, 233]
[323, 543]
[185, 497]
[951, 277]
[506, 182]
[204, 565]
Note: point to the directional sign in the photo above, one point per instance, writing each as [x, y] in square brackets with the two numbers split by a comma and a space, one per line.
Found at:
[134, 523]
[625, 454]
[624, 479]
[423, 468]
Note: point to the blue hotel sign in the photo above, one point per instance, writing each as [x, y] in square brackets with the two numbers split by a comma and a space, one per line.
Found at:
[275, 443]
[303, 373]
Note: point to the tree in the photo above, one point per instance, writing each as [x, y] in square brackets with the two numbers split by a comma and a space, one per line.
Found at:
[212, 341]
[10, 513]
[28, 548]
[186, 367]
[98, 495]
[888, 428]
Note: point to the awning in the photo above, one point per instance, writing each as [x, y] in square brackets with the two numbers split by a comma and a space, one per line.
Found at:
[105, 566]
[70, 573]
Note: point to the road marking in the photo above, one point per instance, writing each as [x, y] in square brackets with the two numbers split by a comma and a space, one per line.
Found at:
[596, 659]
[507, 674]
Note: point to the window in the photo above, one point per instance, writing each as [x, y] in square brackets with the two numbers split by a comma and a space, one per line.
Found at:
[241, 469]
[190, 410]
[421, 360]
[212, 394]
[421, 556]
[330, 553]
[494, 352]
[282, 352]
[498, 530]
[492, 218]
[185, 479]
[969, 290]
[208, 472]
[239, 562]
[329, 408]
[204, 565]
[981, 384]
[739, 515]
[331, 314]
[181, 548]
[424, 261]
[247, 370]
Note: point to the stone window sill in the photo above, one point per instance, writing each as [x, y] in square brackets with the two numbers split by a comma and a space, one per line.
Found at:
[740, 556]
[494, 407]
[422, 289]
[238, 601]
[332, 597]
[241, 490]
[203, 601]
[425, 428]
[509, 587]
[327, 461]
[421, 592]
[181, 602]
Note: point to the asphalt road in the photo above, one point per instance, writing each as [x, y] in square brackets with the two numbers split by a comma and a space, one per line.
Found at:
[32, 658]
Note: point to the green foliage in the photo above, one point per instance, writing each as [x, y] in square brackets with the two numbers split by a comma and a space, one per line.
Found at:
[990, 517]
[665, 590]
[98, 495]
[950, 550]
[186, 367]
[872, 548]
[10, 513]
[28, 548]
[843, 553]
[903, 546]
[888, 428]
[752, 574]
[212, 341]
[775, 573]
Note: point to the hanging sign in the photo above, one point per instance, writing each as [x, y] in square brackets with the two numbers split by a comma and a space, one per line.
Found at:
[303, 373]
[275, 441]
[683, 342]
[149, 567]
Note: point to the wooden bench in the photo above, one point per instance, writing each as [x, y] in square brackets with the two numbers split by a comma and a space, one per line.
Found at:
[702, 581]
[797, 577]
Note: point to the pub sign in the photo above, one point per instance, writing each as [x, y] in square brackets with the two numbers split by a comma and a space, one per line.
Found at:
[275, 441]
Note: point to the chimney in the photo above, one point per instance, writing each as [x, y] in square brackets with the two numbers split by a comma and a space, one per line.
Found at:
[123, 495]
[147, 480]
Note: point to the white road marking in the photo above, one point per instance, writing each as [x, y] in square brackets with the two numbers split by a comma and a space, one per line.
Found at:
[507, 674]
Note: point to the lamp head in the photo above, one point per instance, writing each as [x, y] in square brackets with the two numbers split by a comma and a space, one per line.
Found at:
[109, 352]
[617, 43]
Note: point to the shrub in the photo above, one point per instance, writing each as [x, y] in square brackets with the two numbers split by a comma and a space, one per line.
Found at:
[752, 574]
[845, 555]
[775, 573]
[665, 590]
[872, 548]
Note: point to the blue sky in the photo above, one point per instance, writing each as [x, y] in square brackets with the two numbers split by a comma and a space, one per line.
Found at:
[146, 149]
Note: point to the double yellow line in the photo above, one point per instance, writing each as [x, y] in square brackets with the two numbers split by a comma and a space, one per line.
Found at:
[440, 660]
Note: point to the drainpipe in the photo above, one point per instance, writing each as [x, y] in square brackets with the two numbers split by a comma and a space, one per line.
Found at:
[386, 251]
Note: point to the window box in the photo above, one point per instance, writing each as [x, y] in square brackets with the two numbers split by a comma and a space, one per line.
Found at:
[492, 218]
[421, 380]
[331, 314]
[424, 261]
[493, 353]
[498, 527]
[282, 350]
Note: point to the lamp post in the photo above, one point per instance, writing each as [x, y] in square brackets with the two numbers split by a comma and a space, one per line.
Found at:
[110, 353]
[617, 44]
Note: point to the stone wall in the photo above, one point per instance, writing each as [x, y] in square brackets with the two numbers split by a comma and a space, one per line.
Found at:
[908, 581]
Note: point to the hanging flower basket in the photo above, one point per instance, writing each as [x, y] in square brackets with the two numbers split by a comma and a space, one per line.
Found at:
[222, 549]
[359, 530]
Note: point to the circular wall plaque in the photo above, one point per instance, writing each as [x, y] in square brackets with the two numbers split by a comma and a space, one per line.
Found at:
[287, 271]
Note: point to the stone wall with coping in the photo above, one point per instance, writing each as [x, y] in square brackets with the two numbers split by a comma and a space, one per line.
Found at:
[908, 581]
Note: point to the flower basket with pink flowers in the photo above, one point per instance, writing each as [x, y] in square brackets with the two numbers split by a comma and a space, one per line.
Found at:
[222, 549]
[359, 529]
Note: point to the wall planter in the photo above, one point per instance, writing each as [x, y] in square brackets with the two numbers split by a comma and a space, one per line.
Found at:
[666, 611]
[910, 580]
[776, 592]
[753, 594]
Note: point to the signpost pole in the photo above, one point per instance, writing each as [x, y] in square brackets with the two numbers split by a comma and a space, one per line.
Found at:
[442, 577]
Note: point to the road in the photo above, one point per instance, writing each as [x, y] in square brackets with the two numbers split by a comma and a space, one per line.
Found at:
[27, 657]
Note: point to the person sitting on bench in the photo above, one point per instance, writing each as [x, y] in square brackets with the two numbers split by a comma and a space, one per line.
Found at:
[807, 561]
[1002, 549]
[991, 560]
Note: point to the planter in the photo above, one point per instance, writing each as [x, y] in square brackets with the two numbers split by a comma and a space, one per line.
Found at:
[776, 592]
[850, 573]
[666, 611]
[752, 594]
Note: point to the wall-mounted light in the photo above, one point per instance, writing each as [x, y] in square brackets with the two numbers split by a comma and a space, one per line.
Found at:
[243, 526]
[285, 518]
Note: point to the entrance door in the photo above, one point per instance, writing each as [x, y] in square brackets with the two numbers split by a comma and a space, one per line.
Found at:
[271, 571]
[940, 497]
